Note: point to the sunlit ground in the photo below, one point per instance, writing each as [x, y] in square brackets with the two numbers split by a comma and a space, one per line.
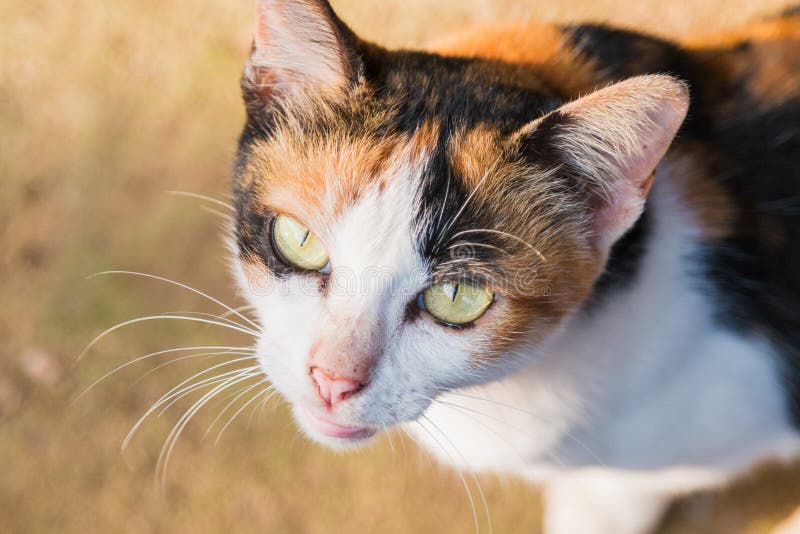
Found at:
[104, 106]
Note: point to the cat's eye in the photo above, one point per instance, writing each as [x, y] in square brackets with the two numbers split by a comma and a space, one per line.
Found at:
[456, 303]
[297, 245]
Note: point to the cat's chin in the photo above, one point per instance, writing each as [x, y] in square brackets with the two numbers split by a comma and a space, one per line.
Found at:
[325, 430]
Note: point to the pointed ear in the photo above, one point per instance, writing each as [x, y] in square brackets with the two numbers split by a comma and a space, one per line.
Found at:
[607, 145]
[301, 49]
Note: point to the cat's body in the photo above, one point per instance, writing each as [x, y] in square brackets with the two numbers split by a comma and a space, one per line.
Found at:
[630, 353]
[683, 370]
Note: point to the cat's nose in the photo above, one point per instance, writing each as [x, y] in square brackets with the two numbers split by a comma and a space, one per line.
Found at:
[334, 389]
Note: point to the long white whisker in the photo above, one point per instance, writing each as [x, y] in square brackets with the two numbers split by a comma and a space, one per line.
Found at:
[164, 398]
[468, 415]
[464, 205]
[174, 435]
[500, 232]
[153, 318]
[391, 443]
[234, 416]
[458, 472]
[226, 217]
[236, 310]
[474, 478]
[191, 388]
[531, 414]
[146, 356]
[263, 404]
[227, 320]
[251, 356]
[237, 395]
[267, 393]
[203, 197]
[172, 398]
[184, 286]
[444, 202]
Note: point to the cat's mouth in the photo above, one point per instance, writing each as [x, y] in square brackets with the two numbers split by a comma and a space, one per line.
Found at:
[327, 426]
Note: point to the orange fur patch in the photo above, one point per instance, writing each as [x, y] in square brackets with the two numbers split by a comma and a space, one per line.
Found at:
[539, 47]
[533, 234]
[315, 180]
[763, 58]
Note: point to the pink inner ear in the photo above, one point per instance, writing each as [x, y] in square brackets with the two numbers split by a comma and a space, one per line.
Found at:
[616, 215]
[297, 48]
[619, 135]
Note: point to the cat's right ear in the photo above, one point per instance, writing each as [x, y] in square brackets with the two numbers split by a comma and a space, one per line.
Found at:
[301, 50]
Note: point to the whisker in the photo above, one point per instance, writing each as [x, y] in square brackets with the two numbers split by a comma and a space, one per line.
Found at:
[463, 409]
[268, 392]
[237, 395]
[391, 443]
[200, 355]
[146, 356]
[457, 408]
[203, 197]
[539, 417]
[444, 202]
[175, 433]
[500, 232]
[476, 244]
[226, 217]
[171, 397]
[234, 416]
[227, 320]
[464, 205]
[474, 478]
[458, 472]
[164, 398]
[153, 318]
[184, 286]
[246, 307]
[191, 388]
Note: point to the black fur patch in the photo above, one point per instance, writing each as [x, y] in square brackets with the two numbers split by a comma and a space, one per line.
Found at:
[456, 94]
[622, 54]
[756, 274]
[791, 11]
[624, 260]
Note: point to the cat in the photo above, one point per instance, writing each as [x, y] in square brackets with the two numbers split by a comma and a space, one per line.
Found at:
[567, 253]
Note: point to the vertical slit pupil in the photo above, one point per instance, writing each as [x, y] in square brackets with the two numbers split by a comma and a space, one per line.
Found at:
[305, 238]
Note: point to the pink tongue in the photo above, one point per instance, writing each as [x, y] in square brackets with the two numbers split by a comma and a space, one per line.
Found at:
[335, 430]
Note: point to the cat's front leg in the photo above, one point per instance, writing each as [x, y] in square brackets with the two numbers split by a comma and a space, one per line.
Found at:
[601, 503]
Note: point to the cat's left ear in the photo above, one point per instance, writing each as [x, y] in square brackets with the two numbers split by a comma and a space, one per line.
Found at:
[301, 50]
[607, 145]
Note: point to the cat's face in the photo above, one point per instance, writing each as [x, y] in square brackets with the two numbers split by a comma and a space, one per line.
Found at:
[407, 224]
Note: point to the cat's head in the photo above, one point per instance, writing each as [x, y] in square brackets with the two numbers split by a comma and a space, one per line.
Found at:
[409, 223]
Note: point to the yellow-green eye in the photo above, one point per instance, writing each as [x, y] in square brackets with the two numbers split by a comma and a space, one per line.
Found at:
[456, 303]
[297, 245]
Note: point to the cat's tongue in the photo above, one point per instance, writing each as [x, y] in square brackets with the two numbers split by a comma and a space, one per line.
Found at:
[332, 429]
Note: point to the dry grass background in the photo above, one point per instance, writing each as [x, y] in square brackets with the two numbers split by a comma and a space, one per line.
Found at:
[103, 107]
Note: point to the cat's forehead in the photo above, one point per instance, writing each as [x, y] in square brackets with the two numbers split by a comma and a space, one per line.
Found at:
[429, 154]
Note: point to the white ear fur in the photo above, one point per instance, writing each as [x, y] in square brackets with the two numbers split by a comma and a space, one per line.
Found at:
[614, 138]
[298, 49]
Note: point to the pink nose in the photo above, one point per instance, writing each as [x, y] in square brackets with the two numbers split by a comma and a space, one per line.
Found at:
[333, 390]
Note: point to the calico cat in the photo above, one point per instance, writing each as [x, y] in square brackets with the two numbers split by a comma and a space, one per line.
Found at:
[569, 253]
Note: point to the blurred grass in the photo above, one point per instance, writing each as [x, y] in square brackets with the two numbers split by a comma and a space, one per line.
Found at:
[104, 107]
